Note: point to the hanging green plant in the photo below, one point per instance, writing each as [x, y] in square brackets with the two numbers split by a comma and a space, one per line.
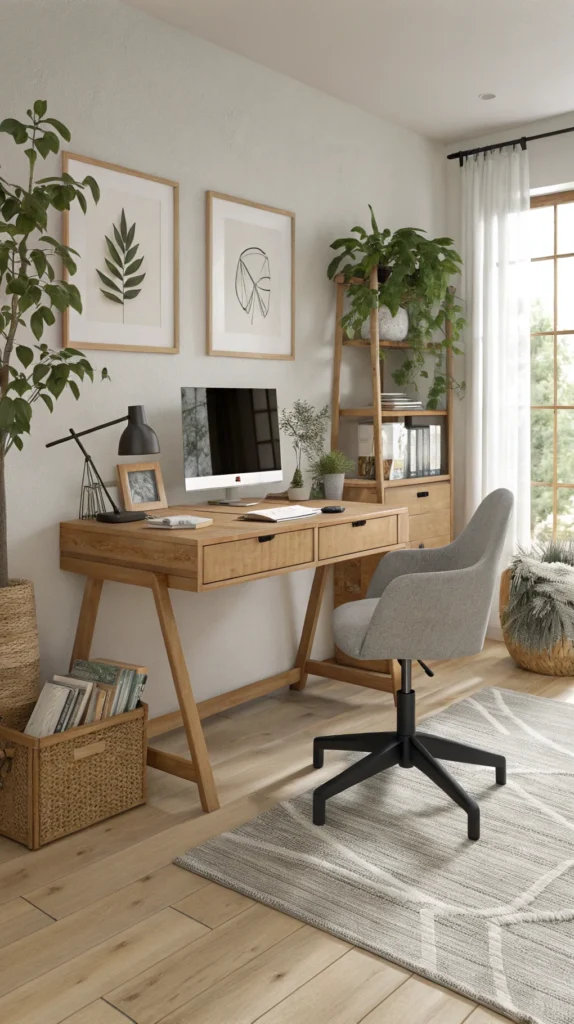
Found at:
[415, 273]
[122, 265]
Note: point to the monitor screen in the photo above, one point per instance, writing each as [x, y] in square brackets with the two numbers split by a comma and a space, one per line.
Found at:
[230, 437]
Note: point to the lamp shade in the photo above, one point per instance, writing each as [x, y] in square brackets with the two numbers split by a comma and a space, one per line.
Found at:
[138, 438]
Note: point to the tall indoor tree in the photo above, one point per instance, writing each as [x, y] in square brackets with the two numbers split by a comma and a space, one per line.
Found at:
[32, 291]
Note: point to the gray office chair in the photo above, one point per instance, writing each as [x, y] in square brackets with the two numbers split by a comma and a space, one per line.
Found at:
[431, 603]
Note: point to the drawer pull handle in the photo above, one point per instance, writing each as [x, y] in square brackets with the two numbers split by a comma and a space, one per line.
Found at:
[422, 494]
[267, 538]
[421, 545]
[359, 522]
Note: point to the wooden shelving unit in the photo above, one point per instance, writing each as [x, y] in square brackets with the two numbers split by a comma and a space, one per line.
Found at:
[428, 498]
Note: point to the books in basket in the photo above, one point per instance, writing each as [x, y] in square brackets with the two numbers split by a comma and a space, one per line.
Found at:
[93, 691]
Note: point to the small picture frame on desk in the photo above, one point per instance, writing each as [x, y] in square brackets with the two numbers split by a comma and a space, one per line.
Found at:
[141, 486]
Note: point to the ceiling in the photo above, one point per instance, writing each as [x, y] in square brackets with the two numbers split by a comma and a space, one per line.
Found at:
[419, 63]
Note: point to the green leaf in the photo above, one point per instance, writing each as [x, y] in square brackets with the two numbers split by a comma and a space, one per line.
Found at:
[46, 398]
[39, 372]
[114, 252]
[16, 129]
[120, 241]
[7, 412]
[82, 201]
[49, 317]
[18, 442]
[132, 294]
[109, 295]
[58, 296]
[25, 354]
[93, 186]
[39, 260]
[131, 252]
[132, 282]
[130, 237]
[74, 297]
[74, 389]
[20, 385]
[124, 226]
[37, 324]
[40, 107]
[10, 208]
[61, 128]
[43, 146]
[112, 269]
[134, 266]
[108, 281]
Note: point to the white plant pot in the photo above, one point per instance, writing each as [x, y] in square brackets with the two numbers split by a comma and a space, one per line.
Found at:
[391, 328]
[333, 484]
[299, 493]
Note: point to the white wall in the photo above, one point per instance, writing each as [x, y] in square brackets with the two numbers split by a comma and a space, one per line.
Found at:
[551, 164]
[136, 92]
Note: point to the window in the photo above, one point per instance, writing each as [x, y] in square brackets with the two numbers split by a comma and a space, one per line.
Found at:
[552, 362]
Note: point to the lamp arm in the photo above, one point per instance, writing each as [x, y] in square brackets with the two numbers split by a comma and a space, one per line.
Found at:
[88, 458]
[81, 433]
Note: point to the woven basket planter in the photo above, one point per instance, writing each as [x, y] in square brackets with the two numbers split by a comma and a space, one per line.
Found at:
[557, 662]
[19, 654]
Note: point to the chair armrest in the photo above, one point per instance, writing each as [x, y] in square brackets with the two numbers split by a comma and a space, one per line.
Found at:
[410, 561]
[432, 614]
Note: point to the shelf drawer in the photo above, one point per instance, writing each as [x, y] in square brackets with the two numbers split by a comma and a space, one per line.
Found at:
[432, 542]
[361, 535]
[418, 498]
[233, 559]
[430, 524]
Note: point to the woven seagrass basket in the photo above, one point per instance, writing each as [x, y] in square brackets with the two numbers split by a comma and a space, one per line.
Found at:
[59, 784]
[557, 662]
[19, 654]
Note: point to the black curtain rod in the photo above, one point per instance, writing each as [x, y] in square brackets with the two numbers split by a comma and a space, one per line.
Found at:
[502, 145]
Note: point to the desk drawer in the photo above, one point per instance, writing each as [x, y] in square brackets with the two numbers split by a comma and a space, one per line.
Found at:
[361, 535]
[425, 497]
[248, 557]
[430, 524]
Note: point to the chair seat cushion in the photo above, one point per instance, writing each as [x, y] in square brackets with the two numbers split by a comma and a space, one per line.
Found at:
[350, 623]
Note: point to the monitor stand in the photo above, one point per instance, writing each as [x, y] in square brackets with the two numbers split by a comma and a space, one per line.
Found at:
[234, 501]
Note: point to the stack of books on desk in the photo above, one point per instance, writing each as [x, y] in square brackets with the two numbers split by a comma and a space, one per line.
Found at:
[94, 690]
[396, 401]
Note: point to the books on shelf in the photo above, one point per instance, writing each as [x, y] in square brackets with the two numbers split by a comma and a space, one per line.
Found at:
[424, 450]
[396, 401]
[94, 690]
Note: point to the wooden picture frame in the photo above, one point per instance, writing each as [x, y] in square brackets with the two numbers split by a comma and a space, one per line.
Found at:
[225, 261]
[93, 329]
[140, 502]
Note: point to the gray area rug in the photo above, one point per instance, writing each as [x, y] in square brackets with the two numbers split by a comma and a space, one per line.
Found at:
[393, 871]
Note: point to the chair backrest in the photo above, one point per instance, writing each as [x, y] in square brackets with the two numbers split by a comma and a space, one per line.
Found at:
[483, 537]
[436, 603]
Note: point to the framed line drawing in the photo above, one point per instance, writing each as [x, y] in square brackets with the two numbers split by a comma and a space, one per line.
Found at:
[128, 270]
[141, 486]
[250, 255]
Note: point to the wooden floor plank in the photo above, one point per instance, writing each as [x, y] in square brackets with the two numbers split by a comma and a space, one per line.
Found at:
[54, 996]
[99, 1012]
[248, 993]
[421, 1002]
[213, 905]
[58, 860]
[342, 994]
[18, 919]
[483, 1016]
[151, 995]
[27, 959]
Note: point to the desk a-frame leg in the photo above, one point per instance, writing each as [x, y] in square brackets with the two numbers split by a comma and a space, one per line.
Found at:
[182, 683]
[310, 625]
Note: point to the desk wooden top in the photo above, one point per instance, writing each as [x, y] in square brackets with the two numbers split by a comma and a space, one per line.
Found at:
[232, 550]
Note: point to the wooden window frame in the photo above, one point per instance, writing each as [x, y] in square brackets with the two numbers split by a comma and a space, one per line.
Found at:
[554, 199]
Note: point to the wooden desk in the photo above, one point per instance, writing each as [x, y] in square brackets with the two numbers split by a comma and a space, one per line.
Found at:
[231, 551]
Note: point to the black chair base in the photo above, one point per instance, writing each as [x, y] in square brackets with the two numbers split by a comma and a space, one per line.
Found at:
[409, 749]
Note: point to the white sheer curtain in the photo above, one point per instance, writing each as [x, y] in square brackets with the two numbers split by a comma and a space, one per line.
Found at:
[495, 286]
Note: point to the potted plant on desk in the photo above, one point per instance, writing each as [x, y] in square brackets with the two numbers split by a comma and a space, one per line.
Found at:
[306, 428]
[331, 469]
[31, 294]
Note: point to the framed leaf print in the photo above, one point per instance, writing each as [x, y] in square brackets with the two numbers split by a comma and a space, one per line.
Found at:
[128, 261]
[250, 279]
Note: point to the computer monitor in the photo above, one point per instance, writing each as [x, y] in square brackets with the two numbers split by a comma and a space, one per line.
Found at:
[230, 437]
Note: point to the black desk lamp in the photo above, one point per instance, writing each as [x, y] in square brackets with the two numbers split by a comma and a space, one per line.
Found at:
[137, 439]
